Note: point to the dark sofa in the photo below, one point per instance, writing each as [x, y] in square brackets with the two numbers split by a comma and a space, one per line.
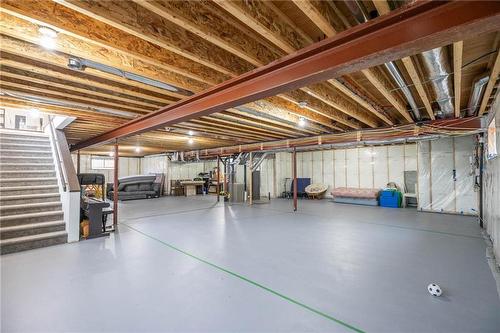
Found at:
[136, 187]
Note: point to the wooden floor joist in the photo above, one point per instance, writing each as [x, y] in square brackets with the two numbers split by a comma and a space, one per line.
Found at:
[367, 45]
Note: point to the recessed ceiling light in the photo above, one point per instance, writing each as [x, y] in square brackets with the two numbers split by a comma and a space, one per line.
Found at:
[46, 31]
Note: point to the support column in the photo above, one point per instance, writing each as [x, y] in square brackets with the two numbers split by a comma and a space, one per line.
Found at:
[226, 173]
[78, 163]
[250, 180]
[294, 172]
[115, 185]
[218, 178]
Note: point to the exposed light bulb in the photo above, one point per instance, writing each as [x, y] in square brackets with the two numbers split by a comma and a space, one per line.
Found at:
[191, 141]
[46, 31]
[48, 42]
[302, 122]
[111, 154]
[191, 133]
[137, 149]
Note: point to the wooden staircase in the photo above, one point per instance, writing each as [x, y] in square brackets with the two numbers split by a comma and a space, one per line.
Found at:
[31, 213]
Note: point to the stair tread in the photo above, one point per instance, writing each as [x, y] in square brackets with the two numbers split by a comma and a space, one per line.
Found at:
[26, 187]
[25, 171]
[26, 157]
[24, 144]
[24, 151]
[25, 164]
[29, 215]
[31, 226]
[23, 239]
[31, 205]
[27, 179]
[28, 196]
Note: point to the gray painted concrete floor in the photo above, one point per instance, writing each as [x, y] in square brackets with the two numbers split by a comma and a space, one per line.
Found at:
[262, 268]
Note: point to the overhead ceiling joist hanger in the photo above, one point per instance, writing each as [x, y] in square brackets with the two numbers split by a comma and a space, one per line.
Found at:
[411, 30]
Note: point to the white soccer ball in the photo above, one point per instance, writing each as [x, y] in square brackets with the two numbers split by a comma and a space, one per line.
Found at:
[434, 289]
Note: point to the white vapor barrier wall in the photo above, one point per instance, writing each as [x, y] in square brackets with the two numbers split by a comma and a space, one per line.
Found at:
[446, 177]
[188, 170]
[367, 167]
[491, 194]
[156, 164]
[127, 166]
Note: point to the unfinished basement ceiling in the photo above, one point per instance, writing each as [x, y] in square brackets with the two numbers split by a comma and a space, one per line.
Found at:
[193, 45]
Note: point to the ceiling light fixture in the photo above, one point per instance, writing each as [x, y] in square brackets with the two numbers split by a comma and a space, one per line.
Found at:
[48, 37]
[302, 104]
[137, 149]
[46, 31]
[111, 154]
[190, 141]
[191, 133]
[47, 42]
[302, 121]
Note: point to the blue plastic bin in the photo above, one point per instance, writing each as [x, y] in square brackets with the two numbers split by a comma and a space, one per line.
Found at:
[302, 183]
[389, 199]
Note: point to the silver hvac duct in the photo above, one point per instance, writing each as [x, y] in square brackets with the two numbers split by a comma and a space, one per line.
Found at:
[396, 75]
[73, 105]
[439, 69]
[259, 162]
[237, 159]
[477, 91]
[359, 12]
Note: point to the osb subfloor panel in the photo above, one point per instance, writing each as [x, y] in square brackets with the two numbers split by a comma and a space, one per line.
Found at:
[189, 264]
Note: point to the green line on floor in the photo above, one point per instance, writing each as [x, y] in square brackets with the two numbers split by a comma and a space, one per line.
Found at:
[322, 314]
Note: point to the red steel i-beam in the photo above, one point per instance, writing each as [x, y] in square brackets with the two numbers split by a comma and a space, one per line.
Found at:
[407, 31]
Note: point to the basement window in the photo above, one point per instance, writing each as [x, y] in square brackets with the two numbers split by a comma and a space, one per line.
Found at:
[99, 163]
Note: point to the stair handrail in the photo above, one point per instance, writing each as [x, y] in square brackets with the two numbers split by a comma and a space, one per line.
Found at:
[57, 151]
[69, 179]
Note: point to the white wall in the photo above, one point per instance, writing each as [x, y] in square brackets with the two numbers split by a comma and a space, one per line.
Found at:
[369, 167]
[438, 190]
[32, 121]
[491, 193]
[156, 164]
[182, 170]
[127, 166]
